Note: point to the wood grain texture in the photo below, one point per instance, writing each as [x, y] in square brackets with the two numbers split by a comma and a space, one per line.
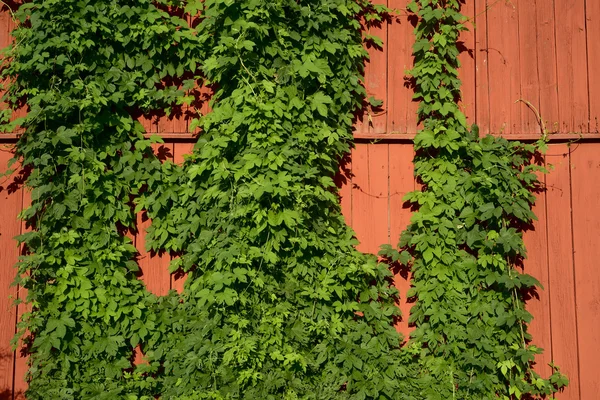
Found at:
[370, 196]
[528, 55]
[401, 182]
[376, 80]
[179, 151]
[592, 25]
[504, 63]
[561, 284]
[21, 359]
[536, 264]
[11, 200]
[154, 267]
[482, 88]
[571, 54]
[401, 109]
[547, 66]
[585, 186]
[344, 183]
[466, 72]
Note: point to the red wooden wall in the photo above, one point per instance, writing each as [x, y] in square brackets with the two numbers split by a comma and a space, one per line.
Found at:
[520, 58]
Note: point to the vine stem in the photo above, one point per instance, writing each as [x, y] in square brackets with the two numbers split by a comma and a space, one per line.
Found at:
[10, 10]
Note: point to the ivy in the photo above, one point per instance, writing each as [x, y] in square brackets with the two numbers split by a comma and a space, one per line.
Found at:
[84, 68]
[465, 241]
[278, 303]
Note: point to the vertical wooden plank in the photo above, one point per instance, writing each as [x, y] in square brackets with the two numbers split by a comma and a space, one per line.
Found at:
[21, 367]
[592, 16]
[401, 108]
[504, 65]
[546, 47]
[375, 121]
[344, 183]
[149, 123]
[530, 93]
[179, 150]
[175, 122]
[571, 53]
[401, 182]
[536, 265]
[561, 284]
[482, 89]
[370, 196]
[154, 267]
[11, 200]
[466, 71]
[585, 188]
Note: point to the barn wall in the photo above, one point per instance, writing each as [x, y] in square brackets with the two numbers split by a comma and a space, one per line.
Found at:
[526, 65]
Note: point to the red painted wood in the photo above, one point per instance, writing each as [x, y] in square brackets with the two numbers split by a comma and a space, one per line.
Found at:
[561, 285]
[504, 65]
[546, 47]
[12, 201]
[376, 82]
[592, 16]
[175, 122]
[370, 196]
[467, 61]
[154, 267]
[482, 89]
[20, 382]
[401, 182]
[536, 264]
[401, 108]
[149, 123]
[179, 150]
[571, 53]
[530, 93]
[344, 183]
[585, 172]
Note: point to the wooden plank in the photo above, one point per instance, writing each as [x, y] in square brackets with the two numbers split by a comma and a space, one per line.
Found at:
[179, 150]
[536, 265]
[401, 108]
[466, 72]
[344, 183]
[592, 16]
[482, 89]
[504, 65]
[11, 199]
[175, 122]
[21, 367]
[585, 173]
[149, 123]
[571, 52]
[548, 81]
[375, 121]
[530, 93]
[401, 182]
[561, 284]
[154, 267]
[369, 196]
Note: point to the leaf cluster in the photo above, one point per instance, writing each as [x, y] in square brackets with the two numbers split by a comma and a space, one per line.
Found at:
[464, 244]
[84, 68]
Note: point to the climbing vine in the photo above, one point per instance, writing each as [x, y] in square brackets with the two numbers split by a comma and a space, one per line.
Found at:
[84, 68]
[278, 303]
[465, 241]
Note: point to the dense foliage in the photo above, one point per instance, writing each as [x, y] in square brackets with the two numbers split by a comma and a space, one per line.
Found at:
[465, 240]
[84, 67]
[277, 303]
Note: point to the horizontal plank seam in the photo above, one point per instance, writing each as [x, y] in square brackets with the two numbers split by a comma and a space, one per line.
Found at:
[395, 137]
